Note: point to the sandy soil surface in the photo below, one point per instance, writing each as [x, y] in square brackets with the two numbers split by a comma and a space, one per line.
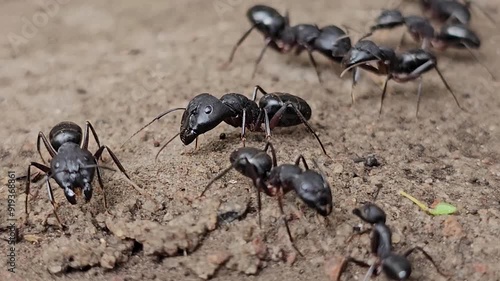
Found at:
[119, 63]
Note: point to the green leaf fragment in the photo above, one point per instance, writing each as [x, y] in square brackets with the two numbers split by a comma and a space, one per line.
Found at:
[442, 208]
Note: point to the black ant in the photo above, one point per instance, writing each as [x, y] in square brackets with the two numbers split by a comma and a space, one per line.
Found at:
[451, 10]
[277, 180]
[72, 165]
[204, 112]
[419, 27]
[330, 41]
[402, 67]
[451, 35]
[395, 266]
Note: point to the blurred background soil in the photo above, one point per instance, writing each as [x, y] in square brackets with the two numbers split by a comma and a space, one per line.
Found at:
[119, 63]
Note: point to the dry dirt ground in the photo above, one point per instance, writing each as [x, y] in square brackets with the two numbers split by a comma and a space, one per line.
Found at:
[119, 63]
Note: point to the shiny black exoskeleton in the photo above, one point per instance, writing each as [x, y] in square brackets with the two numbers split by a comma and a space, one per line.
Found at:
[452, 35]
[331, 41]
[205, 112]
[419, 27]
[72, 166]
[447, 10]
[452, 10]
[459, 36]
[402, 67]
[277, 180]
[395, 266]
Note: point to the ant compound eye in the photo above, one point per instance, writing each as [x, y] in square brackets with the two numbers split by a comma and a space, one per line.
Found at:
[208, 109]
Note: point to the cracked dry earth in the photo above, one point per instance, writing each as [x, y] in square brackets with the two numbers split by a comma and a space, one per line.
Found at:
[119, 63]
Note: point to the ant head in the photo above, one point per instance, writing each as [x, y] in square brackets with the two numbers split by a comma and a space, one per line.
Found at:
[396, 267]
[65, 132]
[203, 113]
[363, 52]
[267, 20]
[457, 32]
[315, 191]
[370, 213]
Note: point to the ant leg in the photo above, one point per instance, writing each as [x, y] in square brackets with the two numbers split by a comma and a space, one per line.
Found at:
[243, 126]
[357, 232]
[169, 141]
[313, 62]
[151, 122]
[370, 272]
[267, 125]
[377, 192]
[101, 184]
[85, 142]
[410, 251]
[383, 94]
[355, 79]
[48, 146]
[299, 158]
[273, 152]
[99, 152]
[346, 261]
[280, 204]
[449, 88]
[41, 167]
[419, 94]
[258, 88]
[261, 55]
[117, 162]
[53, 202]
[245, 35]
[195, 144]
[277, 117]
[478, 61]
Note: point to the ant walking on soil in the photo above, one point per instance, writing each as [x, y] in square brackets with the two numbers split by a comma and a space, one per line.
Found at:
[402, 67]
[395, 266]
[330, 41]
[72, 166]
[451, 35]
[204, 112]
[277, 180]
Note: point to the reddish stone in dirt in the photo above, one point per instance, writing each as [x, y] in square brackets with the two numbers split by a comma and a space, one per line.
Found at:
[218, 258]
[334, 266]
[452, 228]
[480, 268]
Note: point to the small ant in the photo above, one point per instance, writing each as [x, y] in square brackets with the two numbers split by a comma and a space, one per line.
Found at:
[204, 112]
[451, 35]
[72, 165]
[402, 67]
[330, 41]
[395, 266]
[277, 180]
